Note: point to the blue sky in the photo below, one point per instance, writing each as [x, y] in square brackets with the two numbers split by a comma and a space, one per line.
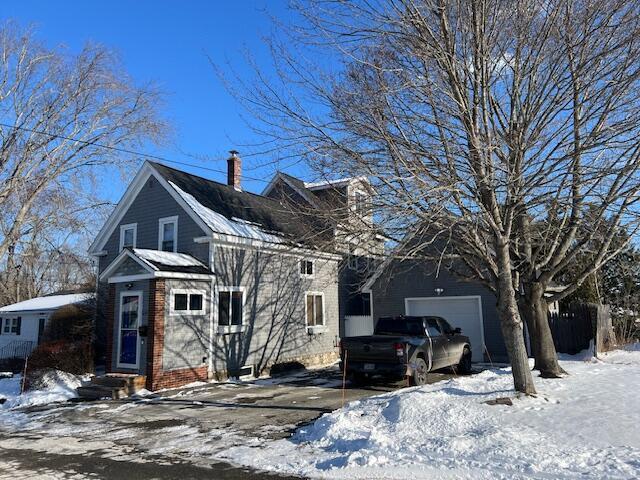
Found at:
[168, 42]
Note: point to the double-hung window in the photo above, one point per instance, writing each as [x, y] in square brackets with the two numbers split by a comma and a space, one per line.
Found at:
[168, 234]
[315, 309]
[231, 309]
[128, 234]
[187, 302]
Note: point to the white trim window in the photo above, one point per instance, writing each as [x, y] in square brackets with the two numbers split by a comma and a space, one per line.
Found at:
[187, 302]
[12, 326]
[168, 234]
[315, 314]
[231, 309]
[306, 268]
[128, 235]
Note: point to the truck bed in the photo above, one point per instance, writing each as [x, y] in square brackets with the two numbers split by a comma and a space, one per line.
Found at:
[378, 348]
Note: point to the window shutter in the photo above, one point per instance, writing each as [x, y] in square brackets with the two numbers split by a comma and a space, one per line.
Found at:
[0, 325]
[19, 325]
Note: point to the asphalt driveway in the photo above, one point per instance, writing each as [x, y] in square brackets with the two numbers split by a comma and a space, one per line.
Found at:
[179, 433]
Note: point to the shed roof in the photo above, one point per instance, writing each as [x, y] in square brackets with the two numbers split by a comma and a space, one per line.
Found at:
[49, 302]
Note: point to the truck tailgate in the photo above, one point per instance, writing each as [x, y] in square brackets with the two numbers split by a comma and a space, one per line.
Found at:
[372, 349]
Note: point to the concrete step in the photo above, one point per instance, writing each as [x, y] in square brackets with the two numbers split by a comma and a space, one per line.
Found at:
[133, 383]
[113, 385]
[95, 392]
[109, 381]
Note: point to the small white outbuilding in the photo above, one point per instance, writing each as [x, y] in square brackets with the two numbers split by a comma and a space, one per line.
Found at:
[22, 324]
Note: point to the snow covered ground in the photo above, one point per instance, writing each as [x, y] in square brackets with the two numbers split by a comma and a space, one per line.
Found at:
[583, 426]
[57, 386]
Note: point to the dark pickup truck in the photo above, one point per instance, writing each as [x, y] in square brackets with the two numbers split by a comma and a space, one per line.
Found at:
[406, 347]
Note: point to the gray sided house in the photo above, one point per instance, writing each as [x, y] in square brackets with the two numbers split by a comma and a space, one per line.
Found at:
[203, 280]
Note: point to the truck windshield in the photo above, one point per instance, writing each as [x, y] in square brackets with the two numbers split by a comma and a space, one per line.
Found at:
[399, 326]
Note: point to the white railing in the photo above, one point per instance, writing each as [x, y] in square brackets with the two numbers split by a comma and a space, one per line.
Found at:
[358, 325]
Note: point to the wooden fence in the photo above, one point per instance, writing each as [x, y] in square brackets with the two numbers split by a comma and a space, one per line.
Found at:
[575, 327]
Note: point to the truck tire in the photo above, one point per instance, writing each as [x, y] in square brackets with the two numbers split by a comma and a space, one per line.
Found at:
[464, 366]
[358, 379]
[420, 373]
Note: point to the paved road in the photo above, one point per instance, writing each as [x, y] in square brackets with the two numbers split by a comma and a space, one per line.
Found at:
[178, 434]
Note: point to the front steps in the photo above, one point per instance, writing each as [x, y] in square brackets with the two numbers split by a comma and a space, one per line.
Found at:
[111, 385]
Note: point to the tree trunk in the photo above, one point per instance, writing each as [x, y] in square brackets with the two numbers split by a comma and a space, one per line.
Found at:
[525, 314]
[511, 325]
[543, 348]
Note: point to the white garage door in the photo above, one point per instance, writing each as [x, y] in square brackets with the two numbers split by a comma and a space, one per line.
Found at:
[463, 312]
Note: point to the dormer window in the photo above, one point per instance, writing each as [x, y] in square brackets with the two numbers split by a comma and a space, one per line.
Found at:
[168, 234]
[128, 234]
[306, 268]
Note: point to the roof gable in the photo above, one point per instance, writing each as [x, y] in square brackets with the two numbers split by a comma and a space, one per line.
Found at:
[295, 184]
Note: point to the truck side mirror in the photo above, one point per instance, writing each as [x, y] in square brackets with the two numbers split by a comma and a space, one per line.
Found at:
[457, 330]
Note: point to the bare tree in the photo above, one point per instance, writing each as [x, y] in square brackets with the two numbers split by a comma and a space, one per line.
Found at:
[578, 135]
[413, 110]
[501, 134]
[62, 119]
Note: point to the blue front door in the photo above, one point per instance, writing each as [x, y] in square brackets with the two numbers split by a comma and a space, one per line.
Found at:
[130, 312]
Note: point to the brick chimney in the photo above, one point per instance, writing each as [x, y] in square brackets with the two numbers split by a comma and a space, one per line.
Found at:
[234, 170]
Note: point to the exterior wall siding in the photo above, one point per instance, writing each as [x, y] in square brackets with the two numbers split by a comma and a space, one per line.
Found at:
[186, 337]
[275, 314]
[158, 376]
[405, 279]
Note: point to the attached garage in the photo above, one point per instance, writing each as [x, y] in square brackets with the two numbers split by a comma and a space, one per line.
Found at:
[460, 311]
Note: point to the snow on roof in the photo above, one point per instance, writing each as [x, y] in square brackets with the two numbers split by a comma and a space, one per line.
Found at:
[338, 182]
[168, 258]
[221, 224]
[50, 302]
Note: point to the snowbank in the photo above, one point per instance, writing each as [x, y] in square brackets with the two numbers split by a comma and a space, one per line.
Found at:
[584, 425]
[55, 386]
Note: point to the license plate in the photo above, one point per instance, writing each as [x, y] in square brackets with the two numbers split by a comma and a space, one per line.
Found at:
[369, 366]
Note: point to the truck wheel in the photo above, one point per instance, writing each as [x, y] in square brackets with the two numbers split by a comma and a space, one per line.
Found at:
[465, 361]
[420, 373]
[358, 379]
